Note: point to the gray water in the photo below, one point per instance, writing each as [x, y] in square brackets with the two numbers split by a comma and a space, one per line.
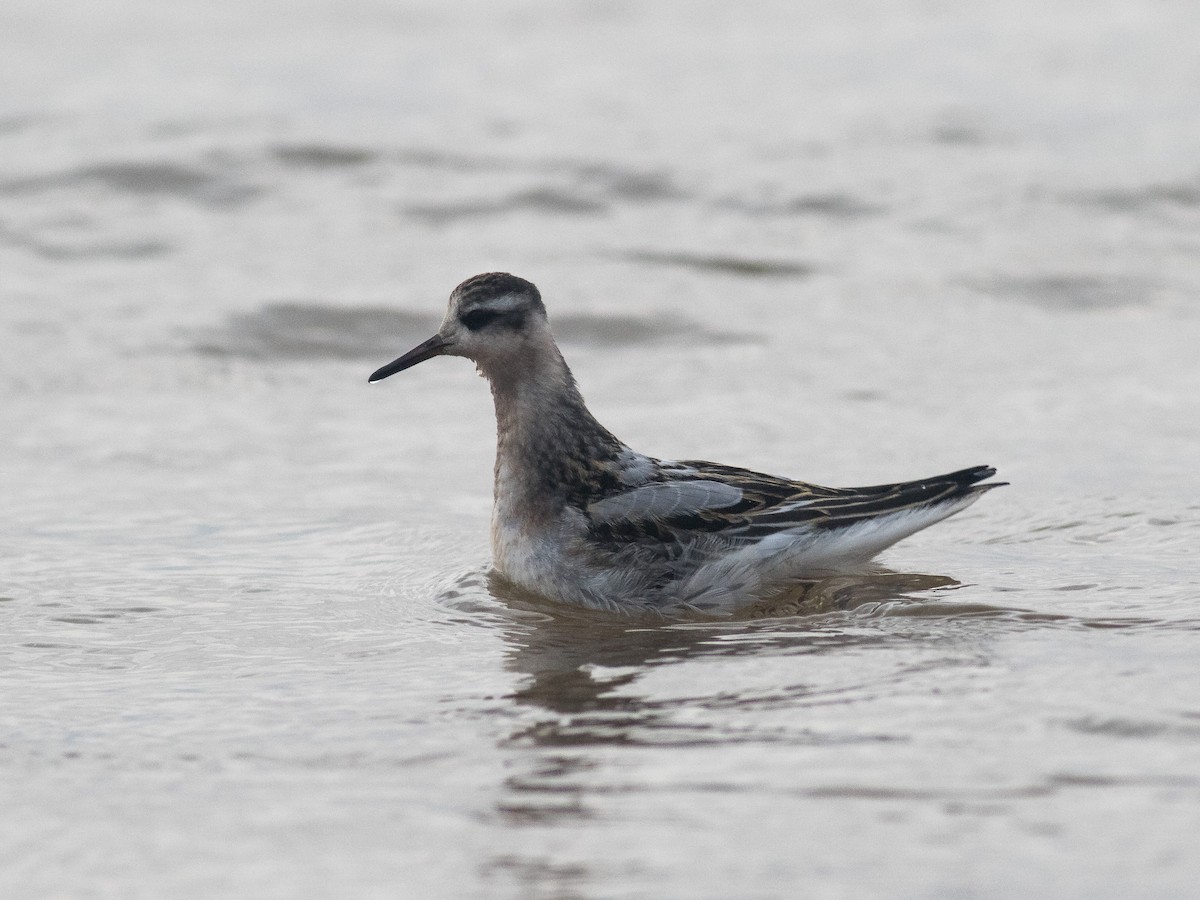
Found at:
[248, 644]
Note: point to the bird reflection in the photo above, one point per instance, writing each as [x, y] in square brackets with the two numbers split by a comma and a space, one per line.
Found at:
[581, 670]
[580, 663]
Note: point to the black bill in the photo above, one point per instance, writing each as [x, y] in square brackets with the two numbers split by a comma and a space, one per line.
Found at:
[429, 349]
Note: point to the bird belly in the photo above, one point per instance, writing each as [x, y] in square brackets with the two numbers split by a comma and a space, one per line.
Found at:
[554, 558]
[525, 555]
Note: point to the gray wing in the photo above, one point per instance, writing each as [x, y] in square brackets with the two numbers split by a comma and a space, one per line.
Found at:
[665, 501]
[694, 498]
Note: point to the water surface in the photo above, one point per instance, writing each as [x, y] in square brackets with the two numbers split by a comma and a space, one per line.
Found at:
[250, 643]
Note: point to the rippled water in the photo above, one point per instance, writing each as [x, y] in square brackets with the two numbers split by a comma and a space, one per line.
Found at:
[249, 645]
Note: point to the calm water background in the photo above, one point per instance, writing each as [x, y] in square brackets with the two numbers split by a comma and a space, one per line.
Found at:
[247, 644]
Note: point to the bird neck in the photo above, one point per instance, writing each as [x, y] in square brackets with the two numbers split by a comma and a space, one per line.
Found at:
[549, 447]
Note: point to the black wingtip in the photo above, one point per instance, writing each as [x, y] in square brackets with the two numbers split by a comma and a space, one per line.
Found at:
[989, 485]
[972, 475]
[968, 479]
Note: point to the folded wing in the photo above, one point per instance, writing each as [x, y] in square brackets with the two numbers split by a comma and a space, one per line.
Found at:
[693, 498]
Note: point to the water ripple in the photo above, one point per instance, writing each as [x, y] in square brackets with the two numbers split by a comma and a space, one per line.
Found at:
[138, 178]
[313, 330]
[1071, 292]
[540, 200]
[723, 264]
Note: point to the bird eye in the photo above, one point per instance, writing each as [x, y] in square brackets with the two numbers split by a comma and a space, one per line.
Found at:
[477, 318]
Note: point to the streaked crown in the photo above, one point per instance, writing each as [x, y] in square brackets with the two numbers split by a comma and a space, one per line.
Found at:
[496, 299]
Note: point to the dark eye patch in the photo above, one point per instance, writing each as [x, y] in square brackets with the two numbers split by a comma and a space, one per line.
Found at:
[478, 318]
[481, 318]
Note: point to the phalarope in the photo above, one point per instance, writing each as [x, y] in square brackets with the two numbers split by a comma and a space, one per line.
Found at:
[581, 517]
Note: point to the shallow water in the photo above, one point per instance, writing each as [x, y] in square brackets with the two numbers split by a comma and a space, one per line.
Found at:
[249, 642]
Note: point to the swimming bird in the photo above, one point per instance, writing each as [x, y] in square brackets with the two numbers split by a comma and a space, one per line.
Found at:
[579, 516]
